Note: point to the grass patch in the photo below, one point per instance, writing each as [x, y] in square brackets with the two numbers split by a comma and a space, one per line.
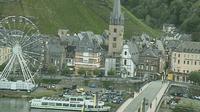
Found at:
[50, 81]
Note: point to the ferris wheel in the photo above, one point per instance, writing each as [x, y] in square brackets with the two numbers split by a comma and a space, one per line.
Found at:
[22, 37]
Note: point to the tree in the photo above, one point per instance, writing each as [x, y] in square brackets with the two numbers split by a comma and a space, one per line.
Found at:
[111, 72]
[183, 109]
[195, 77]
[2, 66]
[96, 72]
[66, 71]
[51, 70]
[82, 71]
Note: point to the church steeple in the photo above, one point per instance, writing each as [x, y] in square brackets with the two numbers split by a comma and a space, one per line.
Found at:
[117, 18]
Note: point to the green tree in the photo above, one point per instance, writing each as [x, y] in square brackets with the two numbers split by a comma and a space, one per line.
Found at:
[2, 66]
[82, 71]
[195, 77]
[51, 70]
[96, 72]
[66, 71]
[111, 72]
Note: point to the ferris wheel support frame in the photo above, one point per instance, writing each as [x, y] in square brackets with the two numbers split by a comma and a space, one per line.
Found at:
[19, 52]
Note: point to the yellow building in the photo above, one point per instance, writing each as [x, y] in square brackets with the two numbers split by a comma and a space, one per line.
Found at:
[185, 59]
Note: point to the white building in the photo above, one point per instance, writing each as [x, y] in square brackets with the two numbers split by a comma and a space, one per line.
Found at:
[129, 59]
[110, 63]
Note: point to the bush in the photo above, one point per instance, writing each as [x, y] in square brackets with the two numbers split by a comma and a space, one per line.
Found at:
[195, 77]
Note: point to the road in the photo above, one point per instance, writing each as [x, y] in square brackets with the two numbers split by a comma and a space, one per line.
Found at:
[149, 93]
[94, 78]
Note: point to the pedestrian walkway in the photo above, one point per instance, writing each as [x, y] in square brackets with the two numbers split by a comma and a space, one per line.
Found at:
[149, 93]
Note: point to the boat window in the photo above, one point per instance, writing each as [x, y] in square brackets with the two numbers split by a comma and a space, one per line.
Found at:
[66, 105]
[52, 104]
[72, 105]
[73, 99]
[79, 99]
[90, 106]
[44, 103]
[79, 105]
[66, 99]
[58, 104]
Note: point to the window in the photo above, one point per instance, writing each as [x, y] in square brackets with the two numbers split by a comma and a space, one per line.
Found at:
[195, 63]
[90, 106]
[151, 68]
[141, 67]
[125, 53]
[79, 99]
[52, 104]
[114, 39]
[188, 62]
[114, 45]
[147, 67]
[184, 62]
[65, 104]
[72, 105]
[178, 61]
[125, 62]
[44, 103]
[115, 30]
[58, 104]
[179, 55]
[73, 99]
[79, 105]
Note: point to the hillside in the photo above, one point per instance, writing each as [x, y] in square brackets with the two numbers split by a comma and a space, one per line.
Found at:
[185, 14]
[75, 15]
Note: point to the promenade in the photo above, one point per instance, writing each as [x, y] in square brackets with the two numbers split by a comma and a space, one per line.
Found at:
[150, 93]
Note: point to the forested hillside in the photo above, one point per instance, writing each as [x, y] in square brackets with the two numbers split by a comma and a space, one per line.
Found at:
[185, 14]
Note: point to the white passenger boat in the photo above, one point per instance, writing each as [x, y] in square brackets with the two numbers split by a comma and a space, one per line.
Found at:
[70, 103]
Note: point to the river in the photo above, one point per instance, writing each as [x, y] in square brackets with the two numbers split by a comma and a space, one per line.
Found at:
[19, 105]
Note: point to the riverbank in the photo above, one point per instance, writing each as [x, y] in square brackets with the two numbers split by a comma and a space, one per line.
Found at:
[38, 93]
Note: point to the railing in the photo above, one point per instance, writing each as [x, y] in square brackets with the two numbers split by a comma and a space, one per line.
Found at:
[153, 105]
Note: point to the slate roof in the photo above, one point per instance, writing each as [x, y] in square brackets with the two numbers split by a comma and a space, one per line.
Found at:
[171, 44]
[54, 47]
[133, 49]
[88, 43]
[117, 18]
[151, 52]
[188, 47]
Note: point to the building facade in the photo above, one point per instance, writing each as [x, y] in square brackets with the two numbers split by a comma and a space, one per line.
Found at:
[4, 54]
[185, 59]
[130, 55]
[151, 64]
[87, 54]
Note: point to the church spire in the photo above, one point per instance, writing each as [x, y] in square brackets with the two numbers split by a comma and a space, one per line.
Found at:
[117, 17]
